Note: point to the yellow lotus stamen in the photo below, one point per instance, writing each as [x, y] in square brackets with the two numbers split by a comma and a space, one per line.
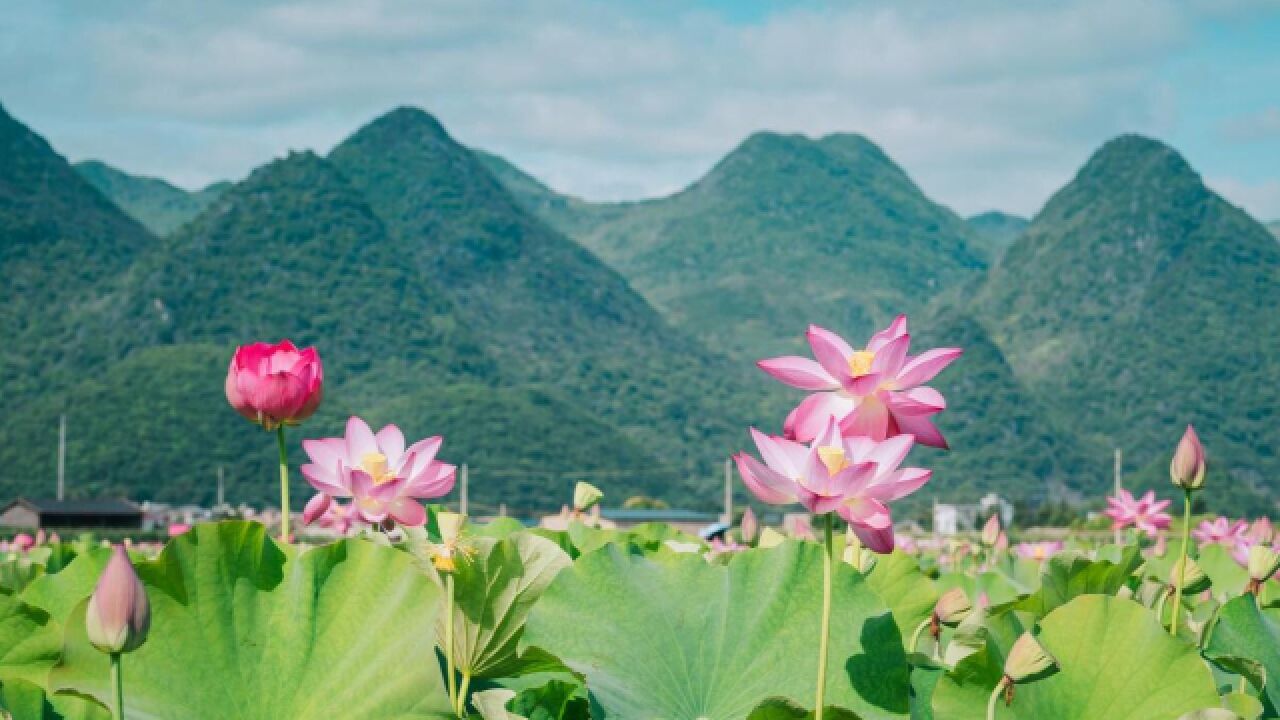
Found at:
[376, 465]
[834, 458]
[860, 362]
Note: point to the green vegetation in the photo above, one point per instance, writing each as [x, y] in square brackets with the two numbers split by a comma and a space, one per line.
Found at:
[994, 231]
[159, 206]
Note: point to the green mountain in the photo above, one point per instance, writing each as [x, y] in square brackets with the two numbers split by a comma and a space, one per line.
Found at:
[457, 313]
[549, 311]
[159, 206]
[994, 231]
[783, 231]
[1138, 301]
[1274, 227]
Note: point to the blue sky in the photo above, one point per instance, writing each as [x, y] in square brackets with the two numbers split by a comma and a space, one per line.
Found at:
[986, 104]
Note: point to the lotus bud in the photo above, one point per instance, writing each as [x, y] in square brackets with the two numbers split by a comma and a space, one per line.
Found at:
[1261, 530]
[41, 538]
[119, 615]
[1002, 542]
[1187, 573]
[585, 496]
[1161, 546]
[1027, 659]
[991, 531]
[1187, 468]
[770, 538]
[54, 539]
[952, 607]
[1263, 563]
[316, 507]
[749, 526]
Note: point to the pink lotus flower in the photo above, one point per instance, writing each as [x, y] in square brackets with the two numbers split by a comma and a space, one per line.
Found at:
[384, 478]
[176, 529]
[877, 391]
[323, 511]
[855, 477]
[274, 384]
[1146, 514]
[1220, 530]
[23, 542]
[1261, 530]
[119, 615]
[721, 546]
[1038, 550]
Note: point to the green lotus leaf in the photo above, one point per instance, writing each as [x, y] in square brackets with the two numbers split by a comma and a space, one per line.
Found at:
[783, 709]
[494, 590]
[30, 641]
[668, 635]
[1068, 576]
[241, 628]
[27, 701]
[58, 594]
[1245, 705]
[910, 595]
[1245, 630]
[1114, 661]
[1228, 577]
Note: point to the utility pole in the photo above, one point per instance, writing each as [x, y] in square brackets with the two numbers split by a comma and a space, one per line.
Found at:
[222, 489]
[62, 457]
[728, 492]
[462, 491]
[1119, 463]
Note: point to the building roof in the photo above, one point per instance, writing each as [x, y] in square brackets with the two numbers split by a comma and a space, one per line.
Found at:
[78, 507]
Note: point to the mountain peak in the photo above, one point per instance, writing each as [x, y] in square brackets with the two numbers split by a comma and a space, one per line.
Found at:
[1130, 158]
[405, 122]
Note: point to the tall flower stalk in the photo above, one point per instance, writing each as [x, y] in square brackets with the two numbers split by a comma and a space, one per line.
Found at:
[117, 688]
[284, 483]
[1186, 470]
[118, 619]
[828, 568]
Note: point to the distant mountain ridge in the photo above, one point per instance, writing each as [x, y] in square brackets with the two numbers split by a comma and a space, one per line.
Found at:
[994, 231]
[155, 203]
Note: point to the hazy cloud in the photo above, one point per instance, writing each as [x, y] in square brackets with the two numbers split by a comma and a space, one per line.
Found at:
[987, 104]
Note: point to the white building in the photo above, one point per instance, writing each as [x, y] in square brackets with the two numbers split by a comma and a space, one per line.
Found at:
[949, 519]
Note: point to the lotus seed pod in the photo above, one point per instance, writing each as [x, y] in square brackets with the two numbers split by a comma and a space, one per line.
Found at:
[119, 615]
[585, 496]
[1187, 467]
[952, 607]
[770, 538]
[1263, 563]
[1027, 658]
[1187, 573]
[991, 531]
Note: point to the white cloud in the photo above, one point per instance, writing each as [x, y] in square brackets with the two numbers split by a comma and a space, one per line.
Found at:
[986, 103]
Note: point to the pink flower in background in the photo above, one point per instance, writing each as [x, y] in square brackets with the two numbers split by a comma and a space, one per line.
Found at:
[877, 391]
[274, 384]
[1145, 513]
[722, 547]
[384, 478]
[1261, 530]
[1038, 550]
[176, 529]
[323, 511]
[855, 477]
[1219, 530]
[23, 542]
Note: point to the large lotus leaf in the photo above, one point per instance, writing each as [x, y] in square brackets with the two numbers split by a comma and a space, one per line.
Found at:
[27, 701]
[1229, 578]
[240, 628]
[58, 594]
[1114, 662]
[494, 590]
[30, 641]
[1245, 630]
[897, 579]
[997, 587]
[1069, 576]
[671, 636]
[783, 709]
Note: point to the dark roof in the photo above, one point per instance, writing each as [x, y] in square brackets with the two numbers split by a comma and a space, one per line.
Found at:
[79, 507]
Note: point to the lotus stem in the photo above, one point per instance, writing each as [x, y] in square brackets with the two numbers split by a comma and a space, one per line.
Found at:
[1181, 566]
[995, 697]
[828, 562]
[462, 695]
[284, 484]
[915, 636]
[448, 642]
[117, 688]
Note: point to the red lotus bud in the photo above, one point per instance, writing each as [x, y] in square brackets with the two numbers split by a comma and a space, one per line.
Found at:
[274, 384]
